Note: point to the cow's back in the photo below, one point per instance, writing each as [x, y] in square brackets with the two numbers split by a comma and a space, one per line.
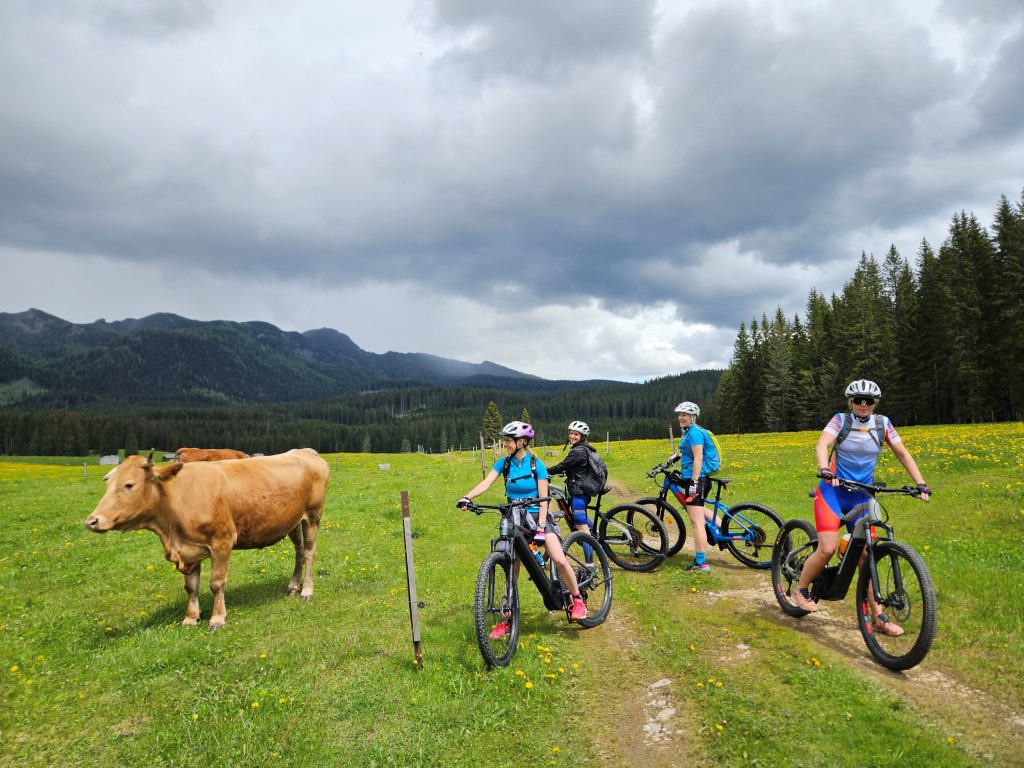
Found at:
[265, 497]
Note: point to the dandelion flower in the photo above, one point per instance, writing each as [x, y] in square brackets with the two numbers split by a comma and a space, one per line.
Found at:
[693, 589]
[519, 673]
[718, 684]
[950, 740]
[575, 665]
[561, 670]
[255, 705]
[555, 750]
[529, 685]
[693, 647]
[14, 667]
[263, 655]
[719, 726]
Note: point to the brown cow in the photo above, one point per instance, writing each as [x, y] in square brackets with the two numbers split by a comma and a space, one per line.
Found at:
[206, 509]
[209, 454]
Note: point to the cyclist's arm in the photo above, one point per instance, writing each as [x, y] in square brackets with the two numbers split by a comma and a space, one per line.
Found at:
[825, 443]
[483, 485]
[542, 490]
[909, 464]
[698, 460]
[574, 460]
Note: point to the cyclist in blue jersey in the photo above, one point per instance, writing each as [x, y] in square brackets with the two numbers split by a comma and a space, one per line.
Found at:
[524, 483]
[698, 458]
[855, 441]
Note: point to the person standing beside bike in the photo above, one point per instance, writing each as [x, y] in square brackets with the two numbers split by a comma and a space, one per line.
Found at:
[848, 449]
[574, 466]
[698, 458]
[527, 478]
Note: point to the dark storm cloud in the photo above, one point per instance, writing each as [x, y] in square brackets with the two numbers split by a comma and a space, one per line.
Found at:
[541, 151]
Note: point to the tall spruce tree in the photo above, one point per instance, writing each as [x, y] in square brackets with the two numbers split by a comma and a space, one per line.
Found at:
[492, 424]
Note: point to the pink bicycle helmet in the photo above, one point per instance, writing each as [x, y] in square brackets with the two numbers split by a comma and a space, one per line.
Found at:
[517, 429]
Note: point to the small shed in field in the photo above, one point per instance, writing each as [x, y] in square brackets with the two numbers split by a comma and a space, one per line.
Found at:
[109, 461]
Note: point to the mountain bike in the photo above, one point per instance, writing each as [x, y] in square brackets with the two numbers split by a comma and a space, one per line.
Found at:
[746, 529]
[896, 575]
[497, 592]
[633, 536]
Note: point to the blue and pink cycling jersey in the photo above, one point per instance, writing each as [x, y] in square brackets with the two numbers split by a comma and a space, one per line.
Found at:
[854, 459]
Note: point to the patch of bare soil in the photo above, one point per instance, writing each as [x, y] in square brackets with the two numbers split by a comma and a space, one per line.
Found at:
[986, 726]
[638, 722]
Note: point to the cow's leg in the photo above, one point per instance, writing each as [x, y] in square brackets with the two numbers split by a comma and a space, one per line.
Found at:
[295, 534]
[192, 590]
[309, 530]
[218, 580]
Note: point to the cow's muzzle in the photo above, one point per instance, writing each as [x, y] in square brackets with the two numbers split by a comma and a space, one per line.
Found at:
[94, 524]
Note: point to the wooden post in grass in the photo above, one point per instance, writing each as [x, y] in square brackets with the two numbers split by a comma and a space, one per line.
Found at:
[483, 461]
[410, 578]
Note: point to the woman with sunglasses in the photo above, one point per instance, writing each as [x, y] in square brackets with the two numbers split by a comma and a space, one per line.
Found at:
[848, 449]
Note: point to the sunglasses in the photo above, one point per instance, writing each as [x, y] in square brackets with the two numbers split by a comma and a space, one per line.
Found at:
[863, 400]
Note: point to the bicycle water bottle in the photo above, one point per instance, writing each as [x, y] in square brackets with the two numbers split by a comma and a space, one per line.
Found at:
[843, 544]
[537, 553]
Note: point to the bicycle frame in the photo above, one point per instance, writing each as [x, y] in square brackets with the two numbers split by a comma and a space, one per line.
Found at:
[515, 543]
[835, 580]
[746, 529]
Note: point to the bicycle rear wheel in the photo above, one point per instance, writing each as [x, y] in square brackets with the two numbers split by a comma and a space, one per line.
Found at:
[496, 606]
[908, 599]
[795, 543]
[594, 578]
[669, 515]
[759, 526]
[634, 538]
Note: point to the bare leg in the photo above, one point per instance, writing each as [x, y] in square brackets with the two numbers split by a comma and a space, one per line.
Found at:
[700, 534]
[555, 552]
[815, 564]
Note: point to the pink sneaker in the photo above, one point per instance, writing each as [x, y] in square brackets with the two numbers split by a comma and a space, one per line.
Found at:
[500, 630]
[579, 609]
[804, 601]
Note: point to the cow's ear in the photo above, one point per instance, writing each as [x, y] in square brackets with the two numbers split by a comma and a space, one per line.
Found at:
[168, 472]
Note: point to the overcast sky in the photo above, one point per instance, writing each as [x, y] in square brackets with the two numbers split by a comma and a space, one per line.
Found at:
[573, 188]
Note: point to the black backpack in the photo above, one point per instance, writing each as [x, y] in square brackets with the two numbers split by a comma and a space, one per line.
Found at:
[592, 482]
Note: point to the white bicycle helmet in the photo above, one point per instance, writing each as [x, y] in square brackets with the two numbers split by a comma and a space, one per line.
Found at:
[863, 388]
[687, 407]
[579, 426]
[517, 429]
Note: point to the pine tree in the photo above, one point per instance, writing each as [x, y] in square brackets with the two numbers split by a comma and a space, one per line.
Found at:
[492, 424]
[1007, 291]
[778, 375]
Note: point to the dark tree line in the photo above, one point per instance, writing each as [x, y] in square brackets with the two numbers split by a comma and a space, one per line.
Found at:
[404, 418]
[944, 339]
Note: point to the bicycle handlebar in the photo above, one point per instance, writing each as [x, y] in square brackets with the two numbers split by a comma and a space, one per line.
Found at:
[479, 509]
[873, 488]
[663, 466]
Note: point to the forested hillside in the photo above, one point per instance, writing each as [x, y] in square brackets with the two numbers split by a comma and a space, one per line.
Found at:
[944, 339]
[403, 418]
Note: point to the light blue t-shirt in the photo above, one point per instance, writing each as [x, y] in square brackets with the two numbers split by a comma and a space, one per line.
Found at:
[694, 436]
[521, 482]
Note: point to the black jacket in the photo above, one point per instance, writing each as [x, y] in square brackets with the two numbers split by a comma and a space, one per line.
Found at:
[574, 465]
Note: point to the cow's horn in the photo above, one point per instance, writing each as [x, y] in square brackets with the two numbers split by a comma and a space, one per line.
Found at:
[149, 459]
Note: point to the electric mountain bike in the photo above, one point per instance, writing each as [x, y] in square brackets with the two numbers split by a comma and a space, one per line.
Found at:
[746, 529]
[496, 600]
[893, 574]
[633, 536]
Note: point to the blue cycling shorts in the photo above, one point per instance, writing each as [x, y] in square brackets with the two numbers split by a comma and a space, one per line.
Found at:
[579, 510]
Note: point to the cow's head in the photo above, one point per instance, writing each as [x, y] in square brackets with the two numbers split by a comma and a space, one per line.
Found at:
[132, 494]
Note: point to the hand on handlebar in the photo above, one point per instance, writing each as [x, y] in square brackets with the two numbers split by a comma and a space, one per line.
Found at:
[463, 503]
[924, 492]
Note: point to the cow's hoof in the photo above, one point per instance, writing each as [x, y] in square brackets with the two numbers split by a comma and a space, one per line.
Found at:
[189, 622]
[306, 598]
[291, 591]
[214, 626]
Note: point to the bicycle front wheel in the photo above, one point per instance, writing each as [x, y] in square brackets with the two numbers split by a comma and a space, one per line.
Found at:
[496, 610]
[634, 538]
[593, 575]
[758, 526]
[908, 599]
[795, 543]
[669, 515]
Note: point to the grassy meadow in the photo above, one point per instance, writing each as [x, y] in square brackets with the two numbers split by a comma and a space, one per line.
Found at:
[96, 669]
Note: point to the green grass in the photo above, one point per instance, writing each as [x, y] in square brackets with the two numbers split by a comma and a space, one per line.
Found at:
[96, 668]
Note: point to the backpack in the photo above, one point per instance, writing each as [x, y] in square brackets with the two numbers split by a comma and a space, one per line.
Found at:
[508, 467]
[592, 482]
[877, 432]
[718, 450]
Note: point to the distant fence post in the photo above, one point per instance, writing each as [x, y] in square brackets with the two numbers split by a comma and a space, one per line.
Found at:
[85, 469]
[671, 441]
[410, 578]
[483, 462]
